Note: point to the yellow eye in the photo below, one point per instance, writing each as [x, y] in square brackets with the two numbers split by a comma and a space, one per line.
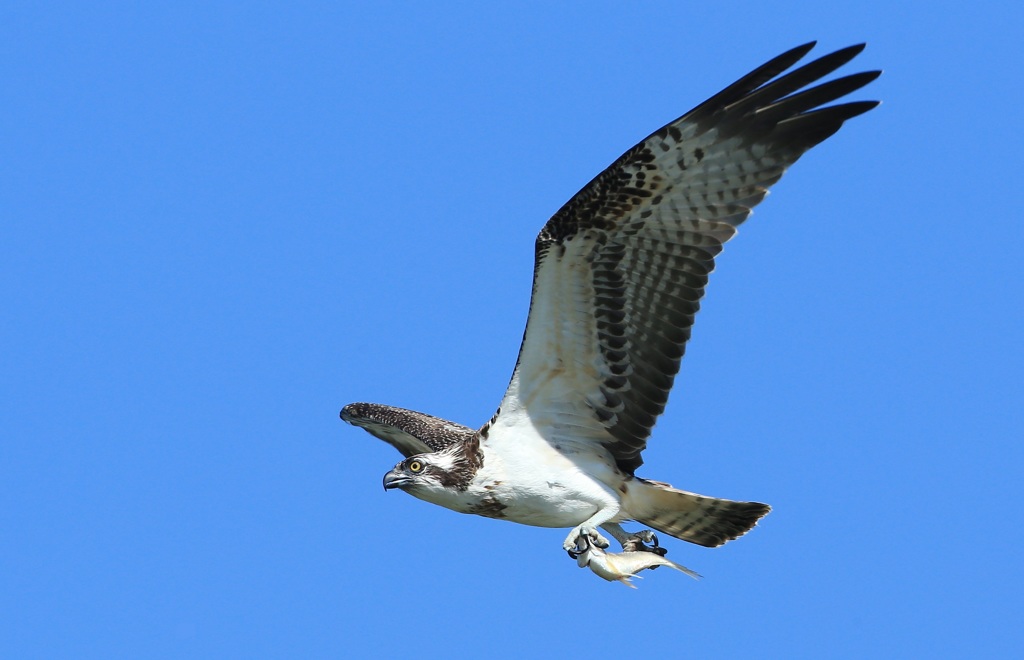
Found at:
[415, 466]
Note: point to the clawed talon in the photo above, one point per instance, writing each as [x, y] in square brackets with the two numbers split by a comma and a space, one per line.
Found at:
[581, 551]
[573, 541]
[636, 543]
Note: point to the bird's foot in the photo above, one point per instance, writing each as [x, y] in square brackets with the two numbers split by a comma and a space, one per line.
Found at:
[637, 543]
[581, 537]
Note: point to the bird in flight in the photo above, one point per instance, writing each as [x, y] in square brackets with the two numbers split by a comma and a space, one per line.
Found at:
[619, 274]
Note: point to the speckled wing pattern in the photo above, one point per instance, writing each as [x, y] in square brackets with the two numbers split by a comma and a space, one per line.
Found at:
[621, 268]
[408, 431]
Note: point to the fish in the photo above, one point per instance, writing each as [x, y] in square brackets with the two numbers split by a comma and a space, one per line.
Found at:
[622, 566]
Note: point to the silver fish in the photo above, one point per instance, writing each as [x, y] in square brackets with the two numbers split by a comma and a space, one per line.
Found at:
[621, 566]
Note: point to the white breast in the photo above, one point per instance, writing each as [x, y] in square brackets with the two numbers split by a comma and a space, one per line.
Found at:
[548, 483]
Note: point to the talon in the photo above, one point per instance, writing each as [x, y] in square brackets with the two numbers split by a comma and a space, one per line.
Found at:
[636, 543]
[581, 547]
[655, 548]
[581, 535]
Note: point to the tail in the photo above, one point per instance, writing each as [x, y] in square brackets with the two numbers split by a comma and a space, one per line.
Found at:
[706, 521]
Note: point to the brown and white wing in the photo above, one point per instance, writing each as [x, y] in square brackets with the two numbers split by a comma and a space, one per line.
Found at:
[408, 431]
[621, 268]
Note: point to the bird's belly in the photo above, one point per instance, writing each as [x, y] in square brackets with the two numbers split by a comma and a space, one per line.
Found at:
[546, 505]
[538, 485]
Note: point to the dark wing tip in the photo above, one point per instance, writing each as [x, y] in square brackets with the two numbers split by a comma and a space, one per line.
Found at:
[791, 111]
[770, 84]
[855, 108]
[353, 412]
[850, 52]
[796, 53]
[752, 80]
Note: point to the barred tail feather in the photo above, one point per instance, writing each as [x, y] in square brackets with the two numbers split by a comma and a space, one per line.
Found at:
[706, 521]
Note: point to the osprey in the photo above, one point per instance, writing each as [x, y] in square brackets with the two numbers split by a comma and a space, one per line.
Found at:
[619, 273]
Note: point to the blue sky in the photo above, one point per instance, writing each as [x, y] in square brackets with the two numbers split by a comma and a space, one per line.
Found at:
[220, 223]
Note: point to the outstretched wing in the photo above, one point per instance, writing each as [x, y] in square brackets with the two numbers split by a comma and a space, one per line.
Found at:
[408, 431]
[621, 268]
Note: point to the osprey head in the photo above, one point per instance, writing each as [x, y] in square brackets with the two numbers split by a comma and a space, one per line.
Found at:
[434, 476]
[415, 471]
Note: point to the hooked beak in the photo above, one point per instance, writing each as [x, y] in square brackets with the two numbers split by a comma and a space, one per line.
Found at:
[396, 479]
